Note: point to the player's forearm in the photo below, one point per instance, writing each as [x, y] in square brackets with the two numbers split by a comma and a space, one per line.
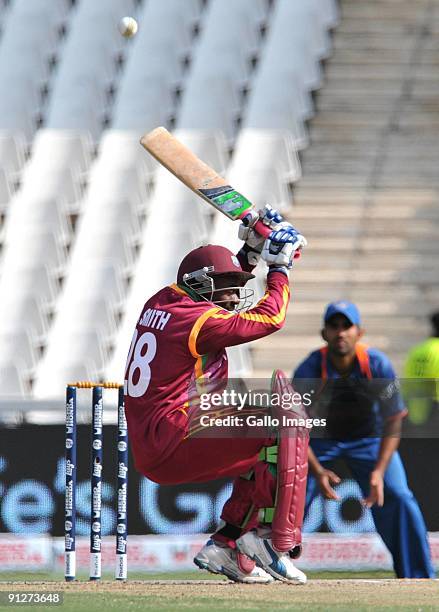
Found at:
[389, 444]
[224, 329]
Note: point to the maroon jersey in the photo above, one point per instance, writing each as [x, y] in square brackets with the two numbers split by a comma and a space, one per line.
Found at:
[177, 349]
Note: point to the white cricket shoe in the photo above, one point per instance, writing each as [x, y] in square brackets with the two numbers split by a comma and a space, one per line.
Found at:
[277, 564]
[231, 563]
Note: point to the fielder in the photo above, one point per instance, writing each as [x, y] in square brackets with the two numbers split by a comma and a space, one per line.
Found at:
[179, 344]
[364, 411]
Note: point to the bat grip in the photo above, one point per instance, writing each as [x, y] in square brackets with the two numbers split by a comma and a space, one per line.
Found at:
[265, 231]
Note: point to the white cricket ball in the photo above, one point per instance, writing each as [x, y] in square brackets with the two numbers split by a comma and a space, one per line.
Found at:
[128, 27]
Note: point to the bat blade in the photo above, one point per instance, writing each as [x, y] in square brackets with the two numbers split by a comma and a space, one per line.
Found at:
[197, 175]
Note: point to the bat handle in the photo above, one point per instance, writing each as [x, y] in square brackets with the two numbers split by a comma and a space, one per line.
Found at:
[265, 231]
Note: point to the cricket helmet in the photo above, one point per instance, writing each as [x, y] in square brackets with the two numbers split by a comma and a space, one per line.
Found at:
[203, 265]
[217, 259]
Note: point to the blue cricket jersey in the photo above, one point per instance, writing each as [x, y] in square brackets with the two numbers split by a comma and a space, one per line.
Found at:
[356, 405]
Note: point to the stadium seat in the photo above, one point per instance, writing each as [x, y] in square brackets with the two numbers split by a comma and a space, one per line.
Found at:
[215, 111]
[12, 149]
[34, 247]
[145, 103]
[29, 216]
[53, 10]
[28, 277]
[62, 148]
[264, 162]
[31, 37]
[329, 12]
[309, 17]
[11, 383]
[5, 192]
[18, 345]
[145, 95]
[46, 181]
[50, 380]
[18, 306]
[87, 67]
[273, 107]
[16, 117]
[221, 67]
[119, 148]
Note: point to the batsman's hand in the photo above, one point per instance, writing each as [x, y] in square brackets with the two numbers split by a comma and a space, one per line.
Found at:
[325, 479]
[376, 492]
[254, 242]
[282, 246]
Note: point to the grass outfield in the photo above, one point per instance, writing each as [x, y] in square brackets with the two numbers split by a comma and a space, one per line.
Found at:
[201, 591]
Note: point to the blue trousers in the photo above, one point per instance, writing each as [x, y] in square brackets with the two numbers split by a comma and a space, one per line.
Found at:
[399, 521]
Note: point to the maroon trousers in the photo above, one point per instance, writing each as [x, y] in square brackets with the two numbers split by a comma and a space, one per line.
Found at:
[200, 459]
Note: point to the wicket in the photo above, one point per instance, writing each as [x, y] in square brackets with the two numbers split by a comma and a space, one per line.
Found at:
[96, 481]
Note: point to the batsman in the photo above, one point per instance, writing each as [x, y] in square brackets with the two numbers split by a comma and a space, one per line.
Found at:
[178, 348]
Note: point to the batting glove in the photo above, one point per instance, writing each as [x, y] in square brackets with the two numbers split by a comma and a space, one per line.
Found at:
[254, 242]
[281, 247]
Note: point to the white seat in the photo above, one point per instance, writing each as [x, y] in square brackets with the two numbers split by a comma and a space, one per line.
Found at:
[30, 37]
[31, 59]
[29, 216]
[12, 148]
[103, 276]
[53, 10]
[63, 148]
[18, 346]
[109, 245]
[11, 383]
[329, 12]
[164, 60]
[114, 8]
[30, 276]
[120, 188]
[22, 86]
[110, 214]
[51, 380]
[293, 57]
[5, 192]
[33, 248]
[121, 149]
[87, 313]
[76, 114]
[159, 16]
[50, 182]
[211, 103]
[259, 149]
[144, 103]
[305, 17]
[15, 117]
[17, 308]
[273, 106]
[240, 21]
[34, 28]
[87, 67]
[212, 96]
[154, 65]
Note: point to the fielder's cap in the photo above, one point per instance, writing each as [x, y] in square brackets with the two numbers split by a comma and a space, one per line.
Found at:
[348, 309]
[220, 259]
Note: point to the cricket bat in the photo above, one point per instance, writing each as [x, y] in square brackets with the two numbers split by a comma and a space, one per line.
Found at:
[201, 178]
